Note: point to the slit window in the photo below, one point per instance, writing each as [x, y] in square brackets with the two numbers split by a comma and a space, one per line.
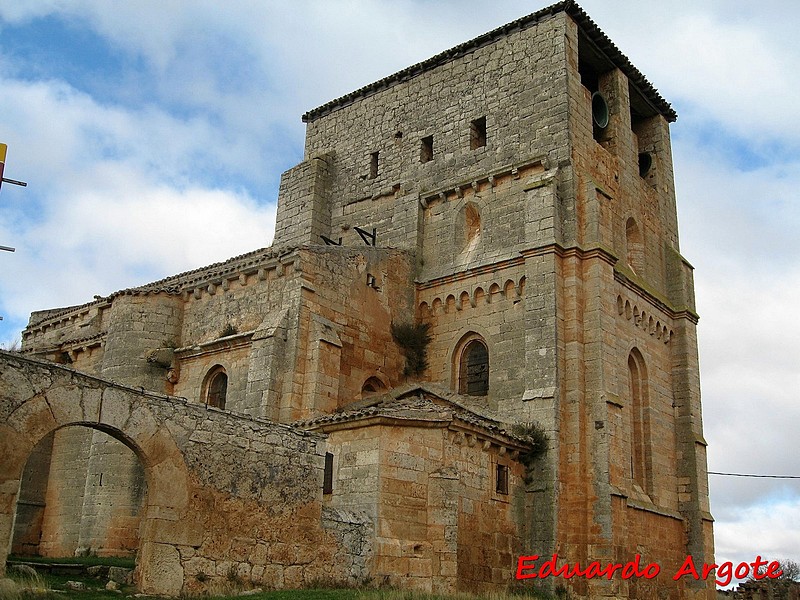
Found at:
[501, 479]
[327, 480]
[373, 165]
[477, 133]
[426, 149]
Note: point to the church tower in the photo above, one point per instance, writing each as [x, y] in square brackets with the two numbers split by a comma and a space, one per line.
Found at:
[530, 172]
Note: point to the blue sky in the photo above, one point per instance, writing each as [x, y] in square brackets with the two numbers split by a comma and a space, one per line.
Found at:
[153, 135]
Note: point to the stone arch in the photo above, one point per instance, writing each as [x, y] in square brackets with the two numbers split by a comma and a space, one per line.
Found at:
[467, 228]
[641, 440]
[471, 365]
[373, 385]
[437, 307]
[41, 399]
[508, 288]
[450, 303]
[479, 296]
[424, 311]
[634, 246]
[464, 300]
[215, 387]
[55, 517]
[495, 292]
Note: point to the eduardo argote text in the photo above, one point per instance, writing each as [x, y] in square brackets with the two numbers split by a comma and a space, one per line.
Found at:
[528, 567]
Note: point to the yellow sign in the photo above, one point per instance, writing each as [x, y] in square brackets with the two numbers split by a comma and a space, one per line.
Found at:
[3, 149]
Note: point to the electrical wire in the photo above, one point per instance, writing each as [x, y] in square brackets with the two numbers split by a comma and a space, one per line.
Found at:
[759, 476]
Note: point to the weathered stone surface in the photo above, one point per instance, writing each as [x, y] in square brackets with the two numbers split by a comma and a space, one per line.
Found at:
[476, 199]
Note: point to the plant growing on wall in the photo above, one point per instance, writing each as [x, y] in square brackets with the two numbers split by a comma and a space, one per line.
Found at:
[534, 434]
[413, 340]
[228, 330]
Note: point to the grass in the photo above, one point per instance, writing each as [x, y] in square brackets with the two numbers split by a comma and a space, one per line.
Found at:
[49, 586]
[109, 561]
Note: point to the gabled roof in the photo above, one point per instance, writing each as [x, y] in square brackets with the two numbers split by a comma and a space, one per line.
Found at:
[591, 31]
[415, 404]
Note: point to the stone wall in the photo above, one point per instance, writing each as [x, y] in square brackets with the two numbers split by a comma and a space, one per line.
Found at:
[430, 488]
[516, 84]
[228, 498]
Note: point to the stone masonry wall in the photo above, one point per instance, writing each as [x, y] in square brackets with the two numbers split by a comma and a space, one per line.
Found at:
[229, 498]
[440, 524]
[343, 340]
[516, 84]
[490, 304]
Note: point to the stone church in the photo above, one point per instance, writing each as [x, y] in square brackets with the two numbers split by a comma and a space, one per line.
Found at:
[474, 330]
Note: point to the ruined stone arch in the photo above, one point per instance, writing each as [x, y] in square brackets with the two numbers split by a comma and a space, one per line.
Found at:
[46, 399]
[470, 365]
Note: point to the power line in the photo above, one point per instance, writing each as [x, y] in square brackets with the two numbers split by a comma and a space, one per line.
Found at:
[760, 476]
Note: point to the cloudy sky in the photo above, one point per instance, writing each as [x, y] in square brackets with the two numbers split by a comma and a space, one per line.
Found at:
[153, 134]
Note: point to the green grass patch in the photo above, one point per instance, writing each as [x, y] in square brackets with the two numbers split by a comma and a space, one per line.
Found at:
[88, 561]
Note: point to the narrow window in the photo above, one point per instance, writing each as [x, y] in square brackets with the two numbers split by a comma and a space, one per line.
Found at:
[474, 369]
[634, 246]
[426, 149]
[327, 481]
[477, 133]
[217, 388]
[501, 479]
[373, 165]
[641, 455]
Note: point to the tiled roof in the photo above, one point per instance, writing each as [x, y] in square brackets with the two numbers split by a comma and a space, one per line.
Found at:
[416, 402]
[589, 28]
[173, 284]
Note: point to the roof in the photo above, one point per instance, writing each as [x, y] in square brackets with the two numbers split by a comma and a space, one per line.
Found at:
[600, 40]
[416, 403]
[174, 284]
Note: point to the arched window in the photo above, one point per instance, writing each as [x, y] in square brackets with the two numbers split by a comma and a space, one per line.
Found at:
[634, 246]
[473, 371]
[641, 452]
[467, 229]
[373, 385]
[216, 387]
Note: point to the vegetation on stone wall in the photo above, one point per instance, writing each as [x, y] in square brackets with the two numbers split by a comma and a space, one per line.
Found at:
[413, 339]
[228, 330]
[535, 435]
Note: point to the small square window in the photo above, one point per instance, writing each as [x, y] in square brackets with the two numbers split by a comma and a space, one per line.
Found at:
[426, 149]
[501, 480]
[327, 481]
[477, 133]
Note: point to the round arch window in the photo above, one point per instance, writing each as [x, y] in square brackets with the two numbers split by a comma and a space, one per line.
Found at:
[217, 388]
[473, 372]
